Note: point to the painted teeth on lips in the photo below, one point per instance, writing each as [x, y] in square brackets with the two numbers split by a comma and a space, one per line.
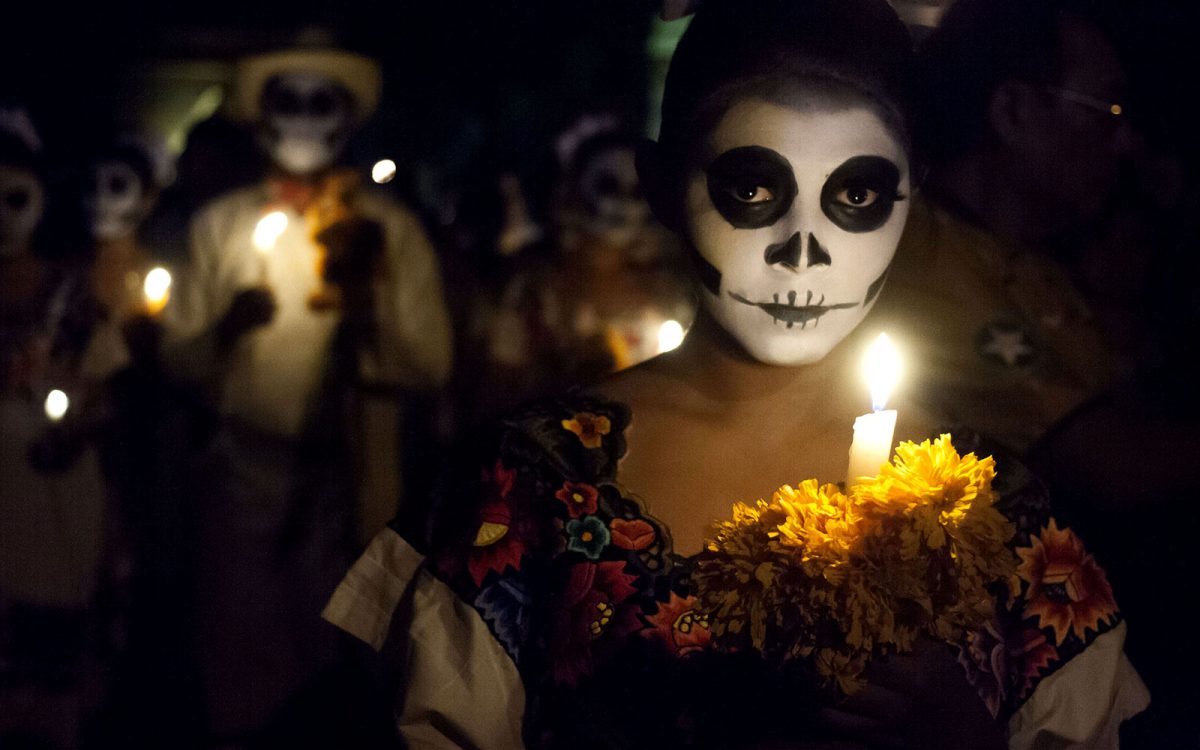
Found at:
[791, 313]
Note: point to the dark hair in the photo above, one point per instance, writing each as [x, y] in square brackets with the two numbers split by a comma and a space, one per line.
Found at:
[978, 45]
[14, 152]
[839, 49]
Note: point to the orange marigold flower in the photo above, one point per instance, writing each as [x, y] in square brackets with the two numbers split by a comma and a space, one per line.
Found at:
[1068, 590]
[590, 428]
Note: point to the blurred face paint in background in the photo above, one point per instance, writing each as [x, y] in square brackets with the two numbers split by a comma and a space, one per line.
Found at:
[114, 200]
[22, 203]
[306, 120]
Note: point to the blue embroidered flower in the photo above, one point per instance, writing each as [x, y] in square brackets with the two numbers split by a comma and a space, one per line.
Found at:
[588, 535]
[505, 605]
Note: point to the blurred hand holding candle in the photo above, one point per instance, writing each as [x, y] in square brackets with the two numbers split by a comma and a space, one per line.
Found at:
[873, 432]
[266, 234]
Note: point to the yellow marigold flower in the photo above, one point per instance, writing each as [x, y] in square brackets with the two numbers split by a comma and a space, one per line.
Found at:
[834, 578]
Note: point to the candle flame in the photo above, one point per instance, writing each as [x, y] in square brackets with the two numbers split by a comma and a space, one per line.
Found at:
[670, 336]
[384, 171]
[268, 229]
[157, 288]
[56, 405]
[881, 368]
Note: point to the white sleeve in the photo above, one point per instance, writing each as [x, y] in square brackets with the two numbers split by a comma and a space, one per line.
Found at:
[1083, 704]
[460, 688]
[414, 344]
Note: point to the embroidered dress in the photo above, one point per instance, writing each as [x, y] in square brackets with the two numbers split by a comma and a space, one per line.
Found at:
[591, 611]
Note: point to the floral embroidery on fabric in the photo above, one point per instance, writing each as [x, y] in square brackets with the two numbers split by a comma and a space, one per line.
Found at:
[1068, 591]
[680, 626]
[500, 538]
[587, 535]
[594, 618]
[582, 589]
[505, 606]
[590, 428]
[580, 498]
[632, 535]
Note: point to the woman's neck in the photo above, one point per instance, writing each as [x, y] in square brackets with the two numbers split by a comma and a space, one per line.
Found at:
[719, 370]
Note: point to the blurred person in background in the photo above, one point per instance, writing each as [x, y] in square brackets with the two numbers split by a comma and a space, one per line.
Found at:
[308, 307]
[54, 517]
[602, 288]
[1024, 132]
[1022, 319]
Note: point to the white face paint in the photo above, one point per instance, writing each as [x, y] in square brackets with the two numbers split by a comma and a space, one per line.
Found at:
[798, 212]
[306, 120]
[22, 202]
[114, 200]
[616, 210]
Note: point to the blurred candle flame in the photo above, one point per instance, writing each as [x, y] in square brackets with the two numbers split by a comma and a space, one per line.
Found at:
[157, 288]
[881, 369]
[56, 405]
[670, 336]
[268, 229]
[384, 171]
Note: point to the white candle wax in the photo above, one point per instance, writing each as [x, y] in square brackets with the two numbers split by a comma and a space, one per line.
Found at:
[872, 446]
[873, 432]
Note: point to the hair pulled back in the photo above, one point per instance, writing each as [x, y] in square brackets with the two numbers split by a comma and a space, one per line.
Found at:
[842, 49]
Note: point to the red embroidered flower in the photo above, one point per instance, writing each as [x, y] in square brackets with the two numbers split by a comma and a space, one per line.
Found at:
[631, 535]
[500, 478]
[1068, 590]
[590, 428]
[593, 620]
[994, 660]
[579, 498]
[679, 626]
[501, 538]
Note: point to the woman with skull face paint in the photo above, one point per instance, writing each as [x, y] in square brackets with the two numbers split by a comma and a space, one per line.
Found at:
[53, 495]
[555, 610]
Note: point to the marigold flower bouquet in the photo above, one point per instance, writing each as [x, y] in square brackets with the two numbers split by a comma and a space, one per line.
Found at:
[838, 578]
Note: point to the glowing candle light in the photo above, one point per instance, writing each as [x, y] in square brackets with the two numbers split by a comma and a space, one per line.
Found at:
[157, 289]
[268, 229]
[56, 405]
[384, 171]
[670, 336]
[266, 234]
[872, 446]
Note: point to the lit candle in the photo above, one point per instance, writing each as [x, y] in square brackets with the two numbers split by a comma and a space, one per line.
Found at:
[266, 234]
[384, 171]
[670, 336]
[56, 405]
[872, 446]
[157, 289]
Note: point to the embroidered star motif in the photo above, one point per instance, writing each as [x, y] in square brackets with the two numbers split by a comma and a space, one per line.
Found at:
[1006, 343]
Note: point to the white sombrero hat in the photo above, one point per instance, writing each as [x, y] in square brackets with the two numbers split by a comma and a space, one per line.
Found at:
[360, 76]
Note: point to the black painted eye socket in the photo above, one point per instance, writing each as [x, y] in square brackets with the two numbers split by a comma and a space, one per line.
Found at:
[286, 102]
[860, 194]
[751, 186]
[322, 104]
[17, 199]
